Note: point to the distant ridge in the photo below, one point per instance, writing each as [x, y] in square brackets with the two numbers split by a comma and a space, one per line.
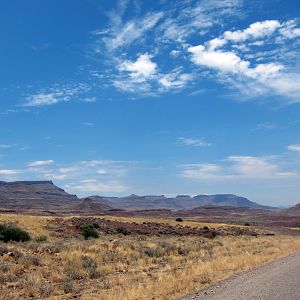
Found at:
[44, 196]
[293, 211]
[180, 202]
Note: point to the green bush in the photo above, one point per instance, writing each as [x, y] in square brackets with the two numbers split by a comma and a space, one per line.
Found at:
[179, 220]
[13, 233]
[88, 230]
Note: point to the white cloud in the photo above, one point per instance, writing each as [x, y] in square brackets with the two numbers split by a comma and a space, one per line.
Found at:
[253, 167]
[254, 31]
[39, 163]
[89, 100]
[44, 99]
[174, 53]
[238, 168]
[193, 142]
[123, 34]
[175, 79]
[251, 76]
[96, 186]
[7, 146]
[140, 70]
[190, 18]
[290, 30]
[9, 172]
[295, 148]
[142, 76]
[201, 171]
[229, 62]
[55, 95]
[266, 126]
[222, 61]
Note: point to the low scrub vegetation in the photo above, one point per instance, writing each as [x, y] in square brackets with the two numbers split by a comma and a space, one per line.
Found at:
[10, 232]
[88, 230]
[127, 266]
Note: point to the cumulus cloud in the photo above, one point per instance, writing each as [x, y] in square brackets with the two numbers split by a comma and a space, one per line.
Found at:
[256, 60]
[250, 76]
[254, 31]
[143, 76]
[141, 69]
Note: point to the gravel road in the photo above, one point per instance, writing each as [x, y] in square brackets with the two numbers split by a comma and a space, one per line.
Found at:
[278, 280]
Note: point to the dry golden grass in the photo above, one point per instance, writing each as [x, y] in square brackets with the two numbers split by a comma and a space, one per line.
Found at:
[127, 267]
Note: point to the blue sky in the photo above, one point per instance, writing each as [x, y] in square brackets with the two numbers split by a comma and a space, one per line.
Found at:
[152, 97]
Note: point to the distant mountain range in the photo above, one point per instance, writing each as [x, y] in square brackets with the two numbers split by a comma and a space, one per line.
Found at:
[180, 202]
[42, 196]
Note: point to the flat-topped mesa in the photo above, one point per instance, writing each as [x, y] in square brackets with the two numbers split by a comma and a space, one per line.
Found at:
[26, 195]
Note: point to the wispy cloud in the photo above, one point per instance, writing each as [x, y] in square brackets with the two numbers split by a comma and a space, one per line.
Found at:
[55, 95]
[39, 163]
[196, 142]
[123, 34]
[83, 177]
[96, 186]
[9, 172]
[7, 146]
[295, 148]
[254, 168]
[266, 126]
[188, 18]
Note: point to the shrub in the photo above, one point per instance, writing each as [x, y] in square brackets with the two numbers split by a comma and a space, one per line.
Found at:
[67, 285]
[153, 252]
[179, 220]
[41, 238]
[210, 234]
[246, 224]
[44, 289]
[90, 266]
[30, 260]
[13, 233]
[88, 230]
[123, 230]
[5, 267]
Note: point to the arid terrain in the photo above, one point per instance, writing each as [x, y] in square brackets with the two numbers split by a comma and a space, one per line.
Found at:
[56, 246]
[132, 258]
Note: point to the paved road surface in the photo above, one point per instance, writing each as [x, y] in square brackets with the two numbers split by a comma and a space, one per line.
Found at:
[278, 280]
